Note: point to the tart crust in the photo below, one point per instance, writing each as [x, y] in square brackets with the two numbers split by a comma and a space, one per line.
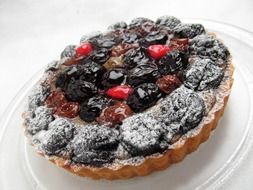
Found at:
[176, 153]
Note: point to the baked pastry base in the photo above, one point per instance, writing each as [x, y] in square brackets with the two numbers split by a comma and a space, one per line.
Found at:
[185, 145]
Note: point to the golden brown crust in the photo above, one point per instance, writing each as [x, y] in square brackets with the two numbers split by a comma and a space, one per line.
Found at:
[150, 164]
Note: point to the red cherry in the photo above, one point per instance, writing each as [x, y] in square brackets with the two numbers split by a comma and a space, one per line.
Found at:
[55, 99]
[119, 92]
[84, 49]
[158, 51]
[69, 109]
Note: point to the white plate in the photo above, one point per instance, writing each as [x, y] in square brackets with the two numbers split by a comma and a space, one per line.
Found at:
[209, 167]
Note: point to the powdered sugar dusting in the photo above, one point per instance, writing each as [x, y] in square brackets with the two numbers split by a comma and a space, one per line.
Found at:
[94, 145]
[141, 134]
[207, 46]
[39, 120]
[38, 96]
[54, 140]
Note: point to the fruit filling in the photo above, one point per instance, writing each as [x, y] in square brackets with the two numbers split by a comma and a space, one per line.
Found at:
[130, 68]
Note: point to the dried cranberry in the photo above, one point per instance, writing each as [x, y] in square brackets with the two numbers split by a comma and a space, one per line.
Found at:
[55, 99]
[158, 51]
[69, 110]
[115, 114]
[119, 92]
[84, 49]
[180, 44]
[168, 83]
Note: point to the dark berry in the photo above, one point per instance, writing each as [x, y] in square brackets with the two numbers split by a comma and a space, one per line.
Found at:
[96, 150]
[142, 26]
[172, 62]
[117, 33]
[38, 95]
[62, 81]
[57, 137]
[134, 57]
[156, 37]
[168, 83]
[91, 108]
[189, 30]
[74, 71]
[129, 38]
[68, 52]
[169, 22]
[141, 135]
[55, 99]
[119, 92]
[122, 48]
[100, 56]
[90, 37]
[79, 90]
[203, 74]
[158, 51]
[144, 96]
[91, 72]
[143, 73]
[206, 46]
[118, 25]
[115, 114]
[69, 110]
[182, 110]
[113, 77]
[139, 21]
[40, 119]
[84, 49]
[105, 41]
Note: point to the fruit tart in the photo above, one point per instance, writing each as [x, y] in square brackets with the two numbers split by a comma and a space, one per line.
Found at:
[132, 100]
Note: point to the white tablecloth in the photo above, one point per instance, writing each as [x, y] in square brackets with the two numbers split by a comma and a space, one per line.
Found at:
[32, 33]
